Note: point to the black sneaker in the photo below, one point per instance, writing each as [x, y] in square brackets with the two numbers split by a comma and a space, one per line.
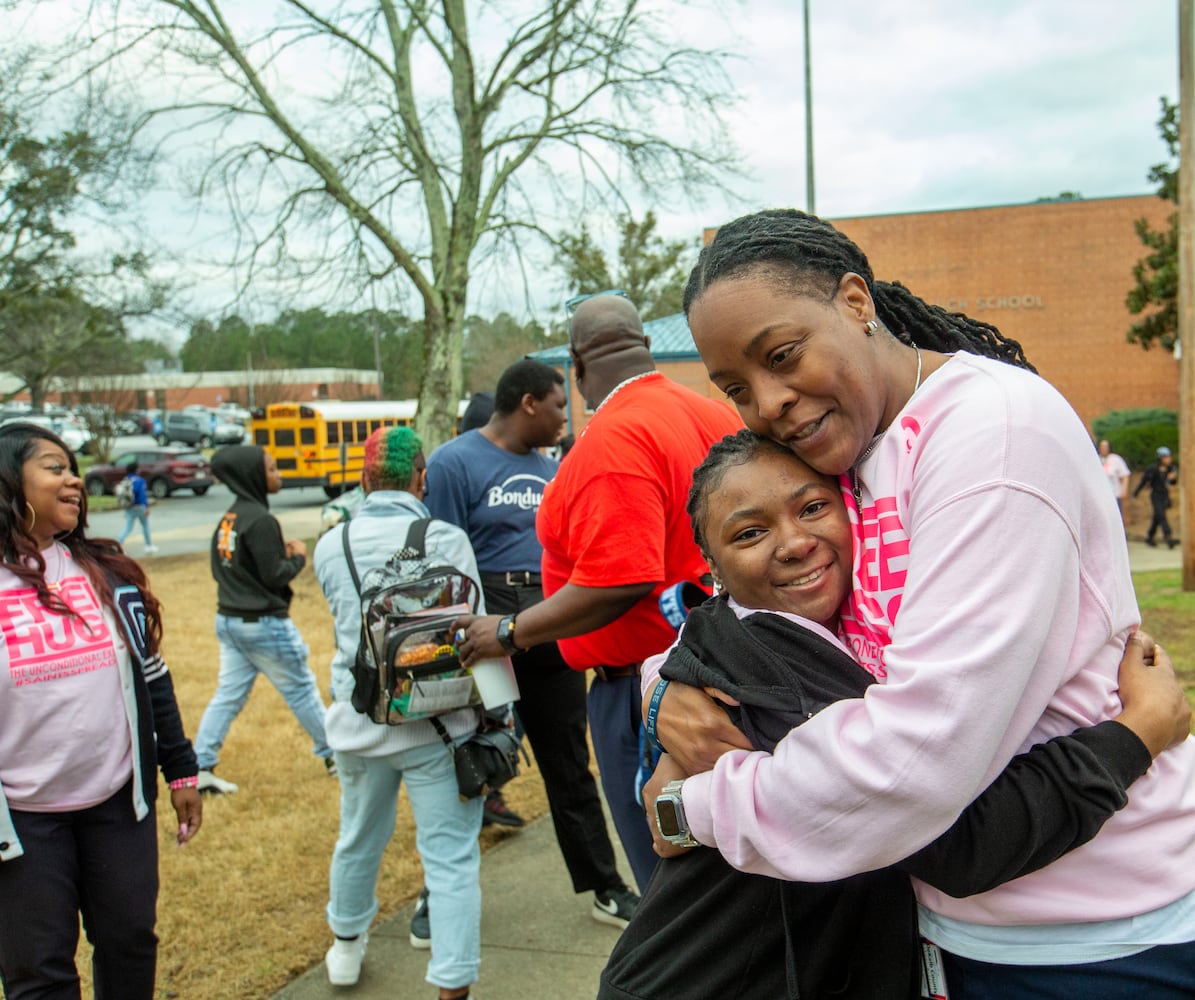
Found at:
[1151, 543]
[615, 906]
[497, 811]
[421, 926]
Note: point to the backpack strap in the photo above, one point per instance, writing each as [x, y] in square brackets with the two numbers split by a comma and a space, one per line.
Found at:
[443, 734]
[415, 546]
[348, 557]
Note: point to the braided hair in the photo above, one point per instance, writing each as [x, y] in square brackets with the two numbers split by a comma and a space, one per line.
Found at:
[732, 451]
[808, 256]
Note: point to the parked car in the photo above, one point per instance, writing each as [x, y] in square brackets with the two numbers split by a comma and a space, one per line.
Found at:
[137, 422]
[74, 435]
[199, 425]
[228, 432]
[188, 428]
[163, 469]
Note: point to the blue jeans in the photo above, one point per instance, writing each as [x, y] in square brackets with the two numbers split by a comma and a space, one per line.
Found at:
[446, 832]
[614, 724]
[270, 646]
[1166, 972]
[133, 515]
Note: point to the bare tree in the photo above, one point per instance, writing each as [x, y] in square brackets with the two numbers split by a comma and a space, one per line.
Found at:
[372, 140]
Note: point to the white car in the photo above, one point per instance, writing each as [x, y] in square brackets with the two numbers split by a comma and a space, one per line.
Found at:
[74, 436]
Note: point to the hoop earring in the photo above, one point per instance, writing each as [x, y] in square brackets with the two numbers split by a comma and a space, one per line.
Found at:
[32, 515]
[870, 327]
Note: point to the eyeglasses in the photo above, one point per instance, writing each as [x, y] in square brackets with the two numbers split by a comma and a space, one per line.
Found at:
[570, 306]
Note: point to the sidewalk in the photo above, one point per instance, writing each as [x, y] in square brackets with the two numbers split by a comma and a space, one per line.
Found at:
[537, 937]
[1142, 557]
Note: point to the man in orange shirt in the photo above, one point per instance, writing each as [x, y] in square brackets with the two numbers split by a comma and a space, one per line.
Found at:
[615, 535]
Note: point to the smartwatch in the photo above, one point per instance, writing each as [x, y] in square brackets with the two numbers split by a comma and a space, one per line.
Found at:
[670, 817]
[506, 634]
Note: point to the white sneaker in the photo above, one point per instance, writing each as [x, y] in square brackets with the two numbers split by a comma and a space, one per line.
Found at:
[208, 782]
[344, 960]
[150, 549]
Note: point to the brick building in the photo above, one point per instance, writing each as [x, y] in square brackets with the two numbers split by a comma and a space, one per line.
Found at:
[1052, 275]
[172, 390]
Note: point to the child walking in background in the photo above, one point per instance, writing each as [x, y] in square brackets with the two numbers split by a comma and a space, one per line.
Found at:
[138, 509]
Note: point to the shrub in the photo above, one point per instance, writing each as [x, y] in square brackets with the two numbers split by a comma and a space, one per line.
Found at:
[1136, 435]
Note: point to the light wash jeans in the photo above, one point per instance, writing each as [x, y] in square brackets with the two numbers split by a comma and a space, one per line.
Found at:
[138, 512]
[446, 831]
[270, 646]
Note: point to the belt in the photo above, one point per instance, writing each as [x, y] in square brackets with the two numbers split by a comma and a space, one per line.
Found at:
[613, 673]
[250, 619]
[511, 578]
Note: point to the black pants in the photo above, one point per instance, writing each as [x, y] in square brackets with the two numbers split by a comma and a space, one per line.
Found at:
[99, 862]
[1159, 520]
[551, 708]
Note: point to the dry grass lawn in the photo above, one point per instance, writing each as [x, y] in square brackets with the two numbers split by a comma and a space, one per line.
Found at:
[241, 909]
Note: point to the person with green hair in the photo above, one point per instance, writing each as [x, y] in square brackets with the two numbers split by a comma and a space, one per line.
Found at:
[374, 759]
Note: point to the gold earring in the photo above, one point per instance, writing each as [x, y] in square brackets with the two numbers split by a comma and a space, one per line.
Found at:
[32, 515]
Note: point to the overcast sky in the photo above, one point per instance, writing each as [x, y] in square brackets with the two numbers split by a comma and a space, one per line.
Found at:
[936, 104]
[925, 105]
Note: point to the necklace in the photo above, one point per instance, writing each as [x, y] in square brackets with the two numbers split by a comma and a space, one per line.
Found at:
[624, 383]
[856, 489]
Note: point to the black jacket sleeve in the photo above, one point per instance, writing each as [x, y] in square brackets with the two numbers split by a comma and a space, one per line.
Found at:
[267, 548]
[1045, 803]
[176, 757]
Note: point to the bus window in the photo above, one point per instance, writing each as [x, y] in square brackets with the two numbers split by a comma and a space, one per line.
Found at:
[306, 435]
[261, 436]
[362, 430]
[333, 432]
[284, 437]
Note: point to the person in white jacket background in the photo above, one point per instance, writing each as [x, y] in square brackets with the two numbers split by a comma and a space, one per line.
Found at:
[374, 759]
[991, 598]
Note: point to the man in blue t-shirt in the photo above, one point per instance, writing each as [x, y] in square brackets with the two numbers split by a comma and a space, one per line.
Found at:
[490, 482]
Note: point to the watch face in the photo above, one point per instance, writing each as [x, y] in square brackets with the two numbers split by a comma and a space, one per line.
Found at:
[667, 818]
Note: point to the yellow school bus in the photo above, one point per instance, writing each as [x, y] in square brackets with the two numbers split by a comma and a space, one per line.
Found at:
[323, 443]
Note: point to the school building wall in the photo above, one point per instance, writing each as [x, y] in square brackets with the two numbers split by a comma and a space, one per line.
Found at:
[1051, 275]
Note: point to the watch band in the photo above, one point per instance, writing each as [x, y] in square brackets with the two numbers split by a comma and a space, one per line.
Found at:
[506, 634]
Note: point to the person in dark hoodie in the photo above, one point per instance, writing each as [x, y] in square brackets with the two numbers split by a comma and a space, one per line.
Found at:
[253, 567]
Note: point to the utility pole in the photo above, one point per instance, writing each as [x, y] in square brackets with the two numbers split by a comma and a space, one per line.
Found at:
[1186, 285]
[809, 202]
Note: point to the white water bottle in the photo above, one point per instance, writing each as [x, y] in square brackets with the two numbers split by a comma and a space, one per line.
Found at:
[495, 680]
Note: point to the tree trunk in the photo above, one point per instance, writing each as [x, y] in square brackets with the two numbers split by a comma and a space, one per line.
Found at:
[440, 390]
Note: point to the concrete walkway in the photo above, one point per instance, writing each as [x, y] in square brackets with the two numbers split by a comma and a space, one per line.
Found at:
[538, 940]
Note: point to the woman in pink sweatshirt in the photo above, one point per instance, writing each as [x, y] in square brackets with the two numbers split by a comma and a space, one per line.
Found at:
[991, 598]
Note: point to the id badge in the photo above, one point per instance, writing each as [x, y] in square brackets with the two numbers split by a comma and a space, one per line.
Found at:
[933, 975]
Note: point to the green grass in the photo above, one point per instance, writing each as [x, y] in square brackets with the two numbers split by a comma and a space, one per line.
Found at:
[1168, 614]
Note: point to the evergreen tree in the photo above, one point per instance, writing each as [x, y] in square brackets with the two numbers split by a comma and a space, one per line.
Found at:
[1155, 276]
